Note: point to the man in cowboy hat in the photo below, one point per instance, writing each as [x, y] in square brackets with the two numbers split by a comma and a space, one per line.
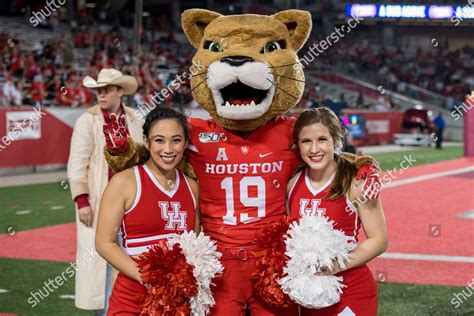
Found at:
[88, 174]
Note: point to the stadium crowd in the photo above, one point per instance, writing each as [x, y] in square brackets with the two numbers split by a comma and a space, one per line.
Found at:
[449, 73]
[51, 72]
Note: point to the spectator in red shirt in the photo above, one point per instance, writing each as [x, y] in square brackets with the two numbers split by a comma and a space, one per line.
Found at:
[38, 90]
[17, 63]
[32, 67]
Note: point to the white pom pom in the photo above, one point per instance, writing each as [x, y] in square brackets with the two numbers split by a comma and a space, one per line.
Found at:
[202, 253]
[312, 245]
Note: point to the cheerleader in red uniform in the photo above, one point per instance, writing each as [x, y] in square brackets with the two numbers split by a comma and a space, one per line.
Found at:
[148, 202]
[328, 187]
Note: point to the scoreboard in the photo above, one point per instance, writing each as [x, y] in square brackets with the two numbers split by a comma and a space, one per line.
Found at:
[411, 11]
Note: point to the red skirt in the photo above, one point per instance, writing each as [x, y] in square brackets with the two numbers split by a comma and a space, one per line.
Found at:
[359, 297]
[127, 297]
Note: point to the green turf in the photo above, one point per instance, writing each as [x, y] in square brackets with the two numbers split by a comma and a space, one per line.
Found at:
[39, 199]
[21, 277]
[417, 300]
[423, 156]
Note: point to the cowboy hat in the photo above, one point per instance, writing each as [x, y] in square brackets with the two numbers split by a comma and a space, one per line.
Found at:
[110, 76]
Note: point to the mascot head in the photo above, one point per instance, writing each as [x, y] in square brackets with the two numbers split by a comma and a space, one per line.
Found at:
[248, 68]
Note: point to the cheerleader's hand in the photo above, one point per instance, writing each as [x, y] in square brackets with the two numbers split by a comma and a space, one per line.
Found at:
[147, 285]
[372, 185]
[336, 268]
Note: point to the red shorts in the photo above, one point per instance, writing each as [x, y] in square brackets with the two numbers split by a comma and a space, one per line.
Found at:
[234, 290]
[125, 296]
[359, 297]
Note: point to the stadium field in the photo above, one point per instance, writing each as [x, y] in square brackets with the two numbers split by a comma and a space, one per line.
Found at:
[38, 239]
[23, 276]
[422, 155]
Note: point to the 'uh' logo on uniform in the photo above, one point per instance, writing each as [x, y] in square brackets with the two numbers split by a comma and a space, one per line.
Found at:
[170, 212]
[311, 207]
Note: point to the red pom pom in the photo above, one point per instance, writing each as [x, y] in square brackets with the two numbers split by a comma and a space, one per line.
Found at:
[169, 279]
[270, 263]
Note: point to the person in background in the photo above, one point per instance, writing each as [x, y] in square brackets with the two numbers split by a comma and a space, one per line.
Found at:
[38, 90]
[360, 101]
[439, 124]
[88, 175]
[138, 98]
[8, 91]
[17, 94]
[383, 103]
[342, 101]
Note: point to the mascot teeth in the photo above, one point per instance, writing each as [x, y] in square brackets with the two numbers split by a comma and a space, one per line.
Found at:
[227, 103]
[241, 92]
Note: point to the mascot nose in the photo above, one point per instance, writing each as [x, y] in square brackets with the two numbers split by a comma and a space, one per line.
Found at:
[236, 60]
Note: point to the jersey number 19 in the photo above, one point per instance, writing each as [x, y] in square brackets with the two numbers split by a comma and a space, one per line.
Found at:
[257, 201]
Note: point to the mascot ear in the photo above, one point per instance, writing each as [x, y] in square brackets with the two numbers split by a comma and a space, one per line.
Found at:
[194, 21]
[299, 25]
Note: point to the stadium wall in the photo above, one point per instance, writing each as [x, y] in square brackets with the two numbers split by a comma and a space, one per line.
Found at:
[39, 139]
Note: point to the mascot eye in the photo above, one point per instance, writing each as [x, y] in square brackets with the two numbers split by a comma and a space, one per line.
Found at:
[273, 46]
[213, 46]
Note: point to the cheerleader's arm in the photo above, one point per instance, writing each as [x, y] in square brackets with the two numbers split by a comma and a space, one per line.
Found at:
[288, 189]
[118, 196]
[373, 222]
[196, 194]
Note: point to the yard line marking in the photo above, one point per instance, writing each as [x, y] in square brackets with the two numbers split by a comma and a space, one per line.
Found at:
[3, 291]
[24, 212]
[57, 207]
[429, 176]
[467, 214]
[67, 296]
[422, 257]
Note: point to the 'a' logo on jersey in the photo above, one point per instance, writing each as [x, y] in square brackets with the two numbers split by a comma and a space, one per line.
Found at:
[311, 208]
[211, 137]
[175, 219]
[221, 155]
[245, 150]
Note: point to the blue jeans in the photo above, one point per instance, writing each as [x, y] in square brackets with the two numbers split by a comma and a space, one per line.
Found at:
[108, 285]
